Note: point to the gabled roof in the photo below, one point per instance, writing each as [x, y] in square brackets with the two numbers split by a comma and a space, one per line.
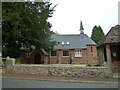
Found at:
[72, 41]
[36, 50]
[113, 36]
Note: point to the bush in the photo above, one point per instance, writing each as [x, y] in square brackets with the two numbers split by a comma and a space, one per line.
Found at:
[89, 65]
[93, 65]
[96, 65]
[17, 62]
[1, 63]
[95, 58]
[4, 62]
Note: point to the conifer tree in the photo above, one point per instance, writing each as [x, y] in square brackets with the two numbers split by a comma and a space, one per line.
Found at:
[26, 24]
[97, 34]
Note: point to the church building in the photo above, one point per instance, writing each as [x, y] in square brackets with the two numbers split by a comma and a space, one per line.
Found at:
[71, 49]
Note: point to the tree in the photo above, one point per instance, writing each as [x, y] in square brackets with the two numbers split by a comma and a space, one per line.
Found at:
[24, 25]
[0, 27]
[97, 34]
[56, 33]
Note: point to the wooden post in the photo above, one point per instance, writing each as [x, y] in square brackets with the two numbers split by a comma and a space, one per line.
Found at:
[109, 61]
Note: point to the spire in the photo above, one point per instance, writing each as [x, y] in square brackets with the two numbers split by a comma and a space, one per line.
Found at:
[81, 28]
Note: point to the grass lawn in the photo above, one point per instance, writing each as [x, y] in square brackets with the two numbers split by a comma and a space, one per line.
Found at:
[76, 65]
[64, 65]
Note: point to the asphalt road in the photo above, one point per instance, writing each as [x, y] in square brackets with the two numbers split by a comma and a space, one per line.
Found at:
[10, 83]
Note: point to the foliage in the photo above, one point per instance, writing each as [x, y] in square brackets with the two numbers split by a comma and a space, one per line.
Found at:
[97, 34]
[95, 57]
[25, 24]
[96, 65]
[56, 33]
[1, 63]
[0, 27]
[90, 65]
[0, 40]
[17, 62]
[4, 62]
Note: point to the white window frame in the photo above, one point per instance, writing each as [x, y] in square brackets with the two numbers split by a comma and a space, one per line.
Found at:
[78, 53]
[51, 54]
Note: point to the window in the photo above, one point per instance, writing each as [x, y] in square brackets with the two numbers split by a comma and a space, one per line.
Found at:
[63, 43]
[78, 53]
[53, 53]
[91, 49]
[27, 53]
[65, 53]
[68, 43]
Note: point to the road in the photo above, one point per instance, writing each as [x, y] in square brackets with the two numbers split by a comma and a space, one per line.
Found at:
[10, 83]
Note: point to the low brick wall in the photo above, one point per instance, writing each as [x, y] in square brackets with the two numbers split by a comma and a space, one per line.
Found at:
[60, 70]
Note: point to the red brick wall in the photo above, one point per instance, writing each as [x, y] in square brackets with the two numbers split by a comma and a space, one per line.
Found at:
[83, 59]
[53, 60]
[87, 56]
[91, 55]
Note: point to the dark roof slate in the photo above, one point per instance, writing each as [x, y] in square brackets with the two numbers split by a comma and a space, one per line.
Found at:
[76, 41]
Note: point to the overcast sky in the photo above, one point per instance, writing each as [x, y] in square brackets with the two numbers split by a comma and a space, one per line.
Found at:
[66, 19]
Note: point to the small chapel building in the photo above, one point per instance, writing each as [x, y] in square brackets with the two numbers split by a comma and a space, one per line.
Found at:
[71, 49]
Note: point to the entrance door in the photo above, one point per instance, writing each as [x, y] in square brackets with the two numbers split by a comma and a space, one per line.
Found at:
[37, 58]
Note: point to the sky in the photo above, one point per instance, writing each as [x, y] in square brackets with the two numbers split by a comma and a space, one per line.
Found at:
[68, 14]
[119, 13]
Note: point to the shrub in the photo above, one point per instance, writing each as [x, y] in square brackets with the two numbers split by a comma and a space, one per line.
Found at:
[4, 62]
[95, 58]
[17, 62]
[96, 65]
[89, 65]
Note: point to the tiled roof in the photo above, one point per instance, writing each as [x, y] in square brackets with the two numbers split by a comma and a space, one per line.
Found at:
[72, 41]
[113, 36]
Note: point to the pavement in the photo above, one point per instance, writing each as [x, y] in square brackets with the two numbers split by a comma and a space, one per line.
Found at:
[95, 80]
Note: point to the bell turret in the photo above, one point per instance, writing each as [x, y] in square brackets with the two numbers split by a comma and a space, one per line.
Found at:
[81, 28]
